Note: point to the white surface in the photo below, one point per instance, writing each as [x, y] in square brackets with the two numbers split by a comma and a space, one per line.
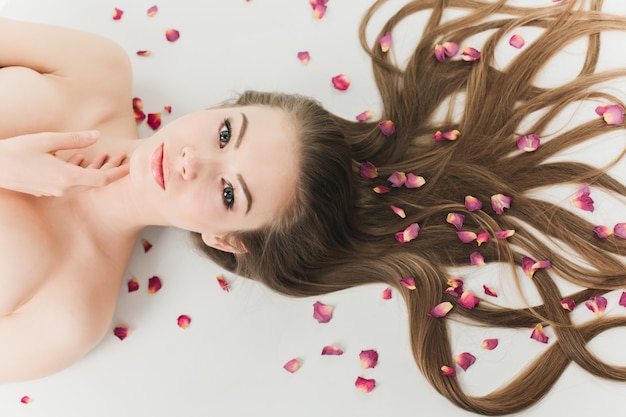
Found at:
[229, 361]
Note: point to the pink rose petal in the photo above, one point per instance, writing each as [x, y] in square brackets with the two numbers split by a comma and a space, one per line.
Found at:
[183, 321]
[368, 170]
[472, 203]
[385, 42]
[25, 399]
[441, 309]
[601, 109]
[499, 202]
[451, 134]
[477, 259]
[504, 234]
[414, 181]
[620, 230]
[446, 50]
[132, 284]
[448, 371]
[603, 232]
[322, 313]
[466, 237]
[341, 82]
[144, 52]
[455, 288]
[482, 237]
[154, 284]
[622, 299]
[223, 283]
[387, 127]
[408, 282]
[152, 11]
[529, 143]
[386, 294]
[614, 115]
[489, 291]
[368, 358]
[408, 234]
[489, 344]
[438, 135]
[332, 350]
[470, 54]
[456, 220]
[365, 385]
[568, 304]
[465, 360]
[530, 266]
[319, 11]
[365, 116]
[304, 57]
[292, 365]
[381, 189]
[468, 300]
[117, 13]
[397, 179]
[582, 198]
[538, 334]
[597, 305]
[517, 41]
[400, 212]
[172, 35]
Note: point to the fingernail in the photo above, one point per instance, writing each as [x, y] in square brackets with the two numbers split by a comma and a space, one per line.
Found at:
[91, 135]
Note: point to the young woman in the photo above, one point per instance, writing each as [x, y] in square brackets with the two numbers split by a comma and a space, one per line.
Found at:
[338, 231]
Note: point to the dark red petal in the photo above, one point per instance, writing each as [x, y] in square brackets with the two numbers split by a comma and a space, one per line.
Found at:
[154, 120]
[146, 245]
[183, 321]
[154, 284]
[121, 332]
[133, 284]
[223, 283]
[465, 360]
[117, 14]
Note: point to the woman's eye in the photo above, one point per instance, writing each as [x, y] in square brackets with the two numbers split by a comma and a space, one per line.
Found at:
[225, 131]
[229, 196]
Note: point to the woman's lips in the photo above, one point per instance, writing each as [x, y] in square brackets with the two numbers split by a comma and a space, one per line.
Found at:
[156, 164]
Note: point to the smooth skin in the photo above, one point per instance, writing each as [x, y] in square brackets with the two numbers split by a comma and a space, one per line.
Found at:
[63, 257]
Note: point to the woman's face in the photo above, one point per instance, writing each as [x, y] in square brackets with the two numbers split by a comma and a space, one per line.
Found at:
[219, 170]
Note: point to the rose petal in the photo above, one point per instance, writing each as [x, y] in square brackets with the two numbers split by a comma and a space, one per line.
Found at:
[152, 11]
[489, 291]
[465, 360]
[499, 202]
[154, 284]
[603, 232]
[538, 334]
[322, 313]
[455, 288]
[368, 358]
[167, 108]
[25, 399]
[470, 54]
[365, 385]
[438, 135]
[319, 11]
[466, 237]
[368, 170]
[121, 332]
[224, 285]
[183, 321]
[154, 120]
[529, 143]
[146, 245]
[517, 41]
[620, 230]
[132, 284]
[468, 300]
[387, 127]
[385, 42]
[622, 299]
[341, 82]
[365, 116]
[456, 220]
[614, 115]
[408, 234]
[568, 304]
[400, 212]
[597, 305]
[117, 14]
[448, 371]
[172, 35]
[292, 365]
[472, 203]
[451, 134]
[489, 344]
[530, 266]
[304, 57]
[482, 237]
[397, 179]
[386, 294]
[381, 189]
[408, 282]
[601, 109]
[138, 109]
[414, 181]
[144, 52]
[441, 309]
[582, 198]
[446, 50]
[477, 259]
[332, 350]
[504, 234]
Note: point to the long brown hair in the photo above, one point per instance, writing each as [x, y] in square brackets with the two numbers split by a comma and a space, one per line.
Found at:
[339, 233]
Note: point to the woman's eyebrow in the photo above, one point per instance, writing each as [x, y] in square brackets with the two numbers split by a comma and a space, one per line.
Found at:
[242, 130]
[246, 191]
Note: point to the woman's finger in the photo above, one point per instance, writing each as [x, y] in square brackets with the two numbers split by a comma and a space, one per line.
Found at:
[98, 161]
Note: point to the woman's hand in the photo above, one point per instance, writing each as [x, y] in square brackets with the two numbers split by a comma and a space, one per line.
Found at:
[28, 164]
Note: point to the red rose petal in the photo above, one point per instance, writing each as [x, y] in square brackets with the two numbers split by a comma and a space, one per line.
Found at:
[365, 385]
[133, 284]
[622, 299]
[341, 82]
[117, 14]
[332, 350]
[408, 234]
[620, 230]
[397, 179]
[477, 259]
[387, 127]
[414, 181]
[597, 305]
[138, 109]
[517, 41]
[121, 332]
[568, 304]
[472, 203]
[224, 285]
[385, 42]
[292, 365]
[154, 284]
[400, 212]
[368, 358]
[468, 300]
[465, 360]
[381, 189]
[167, 108]
[470, 54]
[456, 220]
[438, 135]
[144, 52]
[365, 116]
[448, 371]
[304, 57]
[441, 309]
[408, 282]
[172, 35]
[582, 198]
[489, 344]
[386, 294]
[183, 321]
[25, 399]
[499, 202]
[602, 232]
[322, 312]
[368, 170]
[146, 245]
[154, 120]
[152, 11]
[529, 143]
[455, 287]
[489, 291]
[538, 334]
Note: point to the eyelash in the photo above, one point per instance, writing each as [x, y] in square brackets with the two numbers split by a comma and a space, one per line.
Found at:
[228, 192]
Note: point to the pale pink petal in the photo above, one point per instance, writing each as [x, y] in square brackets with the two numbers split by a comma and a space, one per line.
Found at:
[365, 385]
[322, 313]
[386, 294]
[414, 181]
[489, 344]
[529, 143]
[489, 291]
[319, 11]
[223, 283]
[482, 237]
[387, 127]
[603, 232]
[341, 82]
[172, 35]
[385, 42]
[477, 259]
[456, 220]
[499, 202]
[468, 300]
[622, 299]
[152, 11]
[465, 360]
[400, 212]
[597, 305]
[582, 198]
[614, 115]
[397, 179]
[470, 54]
[183, 321]
[332, 350]
[451, 134]
[381, 189]
[304, 57]
[568, 304]
[504, 234]
[601, 109]
[408, 234]
[620, 230]
[368, 170]
[446, 50]
[466, 237]
[448, 371]
[538, 334]
[472, 203]
[517, 41]
[154, 284]
[368, 358]
[441, 309]
[365, 116]
[440, 53]
[530, 266]
[292, 365]
[408, 282]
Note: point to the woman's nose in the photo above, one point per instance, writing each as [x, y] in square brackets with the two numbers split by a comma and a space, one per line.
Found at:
[194, 162]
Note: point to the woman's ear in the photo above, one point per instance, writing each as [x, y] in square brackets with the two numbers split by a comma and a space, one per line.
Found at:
[218, 242]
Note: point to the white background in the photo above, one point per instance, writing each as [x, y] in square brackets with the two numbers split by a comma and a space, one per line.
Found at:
[229, 362]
